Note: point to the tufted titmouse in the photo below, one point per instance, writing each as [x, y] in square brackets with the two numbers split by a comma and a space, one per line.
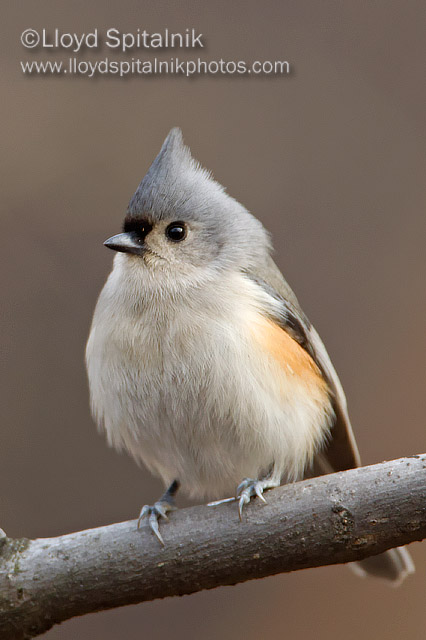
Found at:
[201, 362]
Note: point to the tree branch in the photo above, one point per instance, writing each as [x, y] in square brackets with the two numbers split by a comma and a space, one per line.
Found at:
[333, 519]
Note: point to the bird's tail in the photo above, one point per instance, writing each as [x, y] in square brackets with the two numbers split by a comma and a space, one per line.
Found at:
[393, 566]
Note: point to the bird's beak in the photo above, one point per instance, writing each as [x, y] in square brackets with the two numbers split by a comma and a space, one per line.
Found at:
[126, 242]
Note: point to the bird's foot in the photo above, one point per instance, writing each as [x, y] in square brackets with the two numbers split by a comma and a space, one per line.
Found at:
[249, 488]
[215, 503]
[154, 513]
[159, 510]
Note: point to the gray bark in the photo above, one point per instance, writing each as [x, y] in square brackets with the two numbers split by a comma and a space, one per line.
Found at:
[333, 519]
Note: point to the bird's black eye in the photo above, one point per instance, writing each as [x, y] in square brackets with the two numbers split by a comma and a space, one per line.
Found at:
[176, 231]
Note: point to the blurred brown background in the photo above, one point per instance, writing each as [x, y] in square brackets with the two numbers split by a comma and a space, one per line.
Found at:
[332, 159]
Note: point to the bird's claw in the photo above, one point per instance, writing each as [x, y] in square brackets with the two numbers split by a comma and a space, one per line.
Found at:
[154, 513]
[246, 490]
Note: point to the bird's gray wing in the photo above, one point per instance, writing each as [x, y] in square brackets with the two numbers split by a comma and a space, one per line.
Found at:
[340, 452]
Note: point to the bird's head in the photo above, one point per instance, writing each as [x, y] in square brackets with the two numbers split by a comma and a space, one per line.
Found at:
[181, 220]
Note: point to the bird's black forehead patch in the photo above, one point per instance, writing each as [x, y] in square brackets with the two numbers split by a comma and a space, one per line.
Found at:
[137, 224]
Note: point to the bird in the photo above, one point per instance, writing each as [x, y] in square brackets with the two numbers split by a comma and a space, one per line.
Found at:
[201, 363]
